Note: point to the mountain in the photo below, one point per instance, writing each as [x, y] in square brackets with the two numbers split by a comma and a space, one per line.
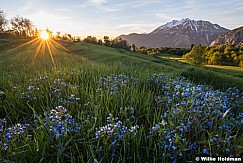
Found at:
[178, 33]
[232, 37]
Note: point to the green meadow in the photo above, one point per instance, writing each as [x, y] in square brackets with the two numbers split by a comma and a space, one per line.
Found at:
[63, 101]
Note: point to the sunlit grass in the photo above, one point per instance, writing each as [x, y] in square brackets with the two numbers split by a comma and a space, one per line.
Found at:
[183, 60]
[99, 104]
[236, 68]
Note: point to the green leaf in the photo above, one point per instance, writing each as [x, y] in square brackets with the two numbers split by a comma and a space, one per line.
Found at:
[177, 139]
[171, 124]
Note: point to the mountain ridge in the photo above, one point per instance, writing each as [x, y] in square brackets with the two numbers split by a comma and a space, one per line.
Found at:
[234, 37]
[178, 33]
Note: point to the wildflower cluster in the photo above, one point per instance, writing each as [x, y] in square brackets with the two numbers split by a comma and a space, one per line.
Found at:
[58, 91]
[116, 134]
[33, 89]
[191, 120]
[14, 134]
[57, 122]
[115, 128]
[115, 84]
[61, 123]
[194, 115]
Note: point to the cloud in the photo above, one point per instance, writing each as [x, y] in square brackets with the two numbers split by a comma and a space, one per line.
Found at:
[138, 3]
[100, 5]
[82, 6]
[108, 9]
[29, 5]
[136, 27]
[164, 16]
[97, 2]
[63, 9]
[67, 17]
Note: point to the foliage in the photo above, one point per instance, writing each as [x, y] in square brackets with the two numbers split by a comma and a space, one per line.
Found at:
[90, 39]
[107, 41]
[157, 51]
[22, 26]
[224, 55]
[16, 27]
[3, 21]
[196, 56]
[115, 43]
[217, 55]
[120, 43]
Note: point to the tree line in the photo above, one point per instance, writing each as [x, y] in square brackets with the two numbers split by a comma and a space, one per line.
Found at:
[225, 54]
[114, 43]
[160, 50]
[20, 27]
[17, 26]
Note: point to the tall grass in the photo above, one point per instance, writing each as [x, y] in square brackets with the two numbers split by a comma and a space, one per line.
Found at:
[91, 110]
[217, 80]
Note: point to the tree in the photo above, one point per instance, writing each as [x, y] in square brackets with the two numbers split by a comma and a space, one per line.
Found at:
[241, 60]
[90, 39]
[192, 45]
[100, 42]
[120, 43]
[58, 33]
[69, 37]
[3, 21]
[77, 39]
[215, 59]
[142, 50]
[36, 32]
[107, 41]
[3, 24]
[22, 26]
[196, 56]
[50, 33]
[133, 47]
[65, 36]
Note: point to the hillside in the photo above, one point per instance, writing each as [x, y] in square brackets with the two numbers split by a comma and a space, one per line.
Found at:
[234, 37]
[136, 61]
[60, 97]
[76, 52]
[178, 33]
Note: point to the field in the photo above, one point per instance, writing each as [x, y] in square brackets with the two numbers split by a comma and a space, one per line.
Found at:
[224, 69]
[229, 76]
[77, 102]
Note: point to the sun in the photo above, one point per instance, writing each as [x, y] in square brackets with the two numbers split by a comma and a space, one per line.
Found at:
[44, 35]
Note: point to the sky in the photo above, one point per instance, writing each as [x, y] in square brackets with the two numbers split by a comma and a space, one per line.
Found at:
[116, 17]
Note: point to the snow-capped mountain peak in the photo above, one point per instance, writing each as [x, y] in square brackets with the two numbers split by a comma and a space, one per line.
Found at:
[175, 23]
[188, 23]
[178, 33]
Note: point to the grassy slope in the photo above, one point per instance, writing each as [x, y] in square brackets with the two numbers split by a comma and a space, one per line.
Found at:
[208, 75]
[229, 70]
[106, 55]
[80, 71]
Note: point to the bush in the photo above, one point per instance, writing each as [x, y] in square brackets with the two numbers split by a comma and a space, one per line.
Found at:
[196, 56]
